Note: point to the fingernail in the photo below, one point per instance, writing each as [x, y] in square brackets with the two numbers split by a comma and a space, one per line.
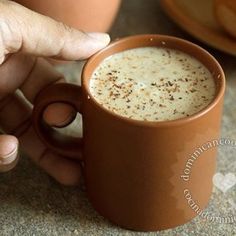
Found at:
[102, 37]
[67, 120]
[8, 149]
[59, 114]
[10, 163]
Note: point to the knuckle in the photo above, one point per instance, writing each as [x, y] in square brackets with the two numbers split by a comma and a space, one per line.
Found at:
[64, 28]
[10, 34]
[64, 32]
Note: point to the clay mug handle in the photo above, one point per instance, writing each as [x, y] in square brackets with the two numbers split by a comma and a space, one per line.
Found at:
[60, 143]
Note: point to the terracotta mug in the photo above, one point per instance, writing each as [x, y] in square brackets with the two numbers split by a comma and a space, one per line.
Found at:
[89, 15]
[133, 168]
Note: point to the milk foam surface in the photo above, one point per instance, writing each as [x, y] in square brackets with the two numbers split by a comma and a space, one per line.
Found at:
[152, 84]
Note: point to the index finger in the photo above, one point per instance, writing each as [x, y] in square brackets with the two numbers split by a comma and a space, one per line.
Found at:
[26, 31]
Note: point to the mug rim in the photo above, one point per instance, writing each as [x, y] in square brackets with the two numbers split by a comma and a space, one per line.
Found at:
[175, 122]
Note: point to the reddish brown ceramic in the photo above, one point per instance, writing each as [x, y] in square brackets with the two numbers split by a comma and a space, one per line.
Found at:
[89, 15]
[133, 168]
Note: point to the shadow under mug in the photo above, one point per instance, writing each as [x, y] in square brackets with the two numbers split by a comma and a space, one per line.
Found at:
[133, 168]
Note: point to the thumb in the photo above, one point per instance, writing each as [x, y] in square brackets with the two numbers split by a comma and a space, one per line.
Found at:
[29, 32]
[8, 152]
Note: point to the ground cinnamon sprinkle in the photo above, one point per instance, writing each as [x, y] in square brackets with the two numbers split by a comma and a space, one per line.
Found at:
[152, 84]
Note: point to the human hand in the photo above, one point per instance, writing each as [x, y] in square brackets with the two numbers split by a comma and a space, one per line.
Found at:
[25, 38]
